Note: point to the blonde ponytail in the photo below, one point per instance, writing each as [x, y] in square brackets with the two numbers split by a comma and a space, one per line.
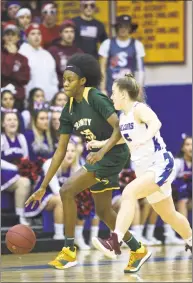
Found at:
[141, 95]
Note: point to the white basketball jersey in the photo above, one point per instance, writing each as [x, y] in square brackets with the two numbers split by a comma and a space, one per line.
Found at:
[134, 132]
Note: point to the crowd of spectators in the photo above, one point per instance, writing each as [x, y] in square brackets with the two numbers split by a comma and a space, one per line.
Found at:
[35, 51]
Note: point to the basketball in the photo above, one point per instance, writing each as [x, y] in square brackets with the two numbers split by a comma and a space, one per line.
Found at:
[20, 239]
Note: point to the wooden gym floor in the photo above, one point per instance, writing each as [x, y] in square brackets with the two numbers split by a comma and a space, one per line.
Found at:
[167, 264]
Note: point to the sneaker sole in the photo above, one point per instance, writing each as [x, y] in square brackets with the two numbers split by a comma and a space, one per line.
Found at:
[141, 263]
[68, 265]
[97, 244]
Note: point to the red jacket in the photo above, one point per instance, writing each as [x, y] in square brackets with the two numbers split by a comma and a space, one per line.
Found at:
[49, 35]
[15, 70]
[61, 55]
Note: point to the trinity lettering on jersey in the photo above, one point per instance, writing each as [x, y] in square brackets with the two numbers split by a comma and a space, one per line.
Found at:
[129, 126]
[82, 122]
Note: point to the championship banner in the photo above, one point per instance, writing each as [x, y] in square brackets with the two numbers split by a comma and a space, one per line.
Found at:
[71, 9]
[161, 28]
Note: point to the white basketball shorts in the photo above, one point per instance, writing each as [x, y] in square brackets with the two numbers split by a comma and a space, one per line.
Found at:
[162, 164]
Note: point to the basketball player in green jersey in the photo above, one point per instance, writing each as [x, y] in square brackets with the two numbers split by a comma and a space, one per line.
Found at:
[92, 114]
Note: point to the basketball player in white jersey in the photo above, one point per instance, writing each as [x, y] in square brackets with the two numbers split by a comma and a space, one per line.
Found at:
[154, 168]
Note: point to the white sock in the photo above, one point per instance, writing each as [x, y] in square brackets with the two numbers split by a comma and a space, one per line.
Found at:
[79, 231]
[19, 211]
[189, 241]
[120, 235]
[94, 231]
[150, 231]
[59, 229]
[138, 229]
[168, 230]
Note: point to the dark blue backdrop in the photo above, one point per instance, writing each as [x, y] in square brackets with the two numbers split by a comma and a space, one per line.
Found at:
[173, 105]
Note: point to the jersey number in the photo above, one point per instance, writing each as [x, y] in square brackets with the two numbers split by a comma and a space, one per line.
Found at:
[126, 136]
[89, 136]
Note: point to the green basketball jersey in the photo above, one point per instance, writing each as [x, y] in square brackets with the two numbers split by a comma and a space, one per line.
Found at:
[88, 117]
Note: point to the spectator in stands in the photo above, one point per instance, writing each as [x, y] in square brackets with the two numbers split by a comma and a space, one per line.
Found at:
[35, 7]
[13, 148]
[36, 96]
[8, 102]
[80, 149]
[150, 228]
[54, 124]
[42, 65]
[182, 186]
[89, 31]
[183, 178]
[41, 148]
[64, 48]
[12, 9]
[4, 16]
[59, 99]
[39, 138]
[23, 20]
[14, 66]
[7, 97]
[49, 28]
[122, 54]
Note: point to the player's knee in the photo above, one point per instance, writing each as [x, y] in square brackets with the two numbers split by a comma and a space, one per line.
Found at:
[57, 201]
[116, 206]
[24, 182]
[23, 186]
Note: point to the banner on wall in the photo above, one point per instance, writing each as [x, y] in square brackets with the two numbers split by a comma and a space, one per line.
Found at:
[70, 9]
[161, 28]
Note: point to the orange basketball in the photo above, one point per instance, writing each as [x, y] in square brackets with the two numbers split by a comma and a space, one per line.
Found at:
[20, 239]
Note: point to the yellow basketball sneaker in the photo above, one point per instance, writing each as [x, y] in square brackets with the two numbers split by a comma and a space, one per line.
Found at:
[137, 259]
[65, 259]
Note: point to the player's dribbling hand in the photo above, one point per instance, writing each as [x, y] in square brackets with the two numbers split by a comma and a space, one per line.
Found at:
[37, 196]
[94, 157]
